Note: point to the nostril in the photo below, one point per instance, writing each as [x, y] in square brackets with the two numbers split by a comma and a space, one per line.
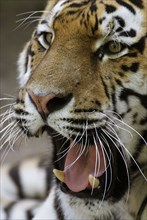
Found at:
[58, 102]
[40, 102]
[48, 103]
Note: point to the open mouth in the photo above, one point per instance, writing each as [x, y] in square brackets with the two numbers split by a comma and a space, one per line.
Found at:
[89, 168]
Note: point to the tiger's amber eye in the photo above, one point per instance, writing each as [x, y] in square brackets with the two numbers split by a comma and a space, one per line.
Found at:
[49, 37]
[114, 47]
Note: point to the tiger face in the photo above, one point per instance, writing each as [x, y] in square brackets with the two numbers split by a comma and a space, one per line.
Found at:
[82, 76]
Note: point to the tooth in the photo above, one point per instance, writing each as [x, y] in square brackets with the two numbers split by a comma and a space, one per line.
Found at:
[93, 182]
[39, 133]
[59, 174]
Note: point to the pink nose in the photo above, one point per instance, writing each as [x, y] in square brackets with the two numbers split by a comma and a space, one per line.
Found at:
[41, 102]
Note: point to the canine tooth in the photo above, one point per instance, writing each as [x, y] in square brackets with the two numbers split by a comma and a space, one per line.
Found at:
[59, 174]
[39, 133]
[94, 183]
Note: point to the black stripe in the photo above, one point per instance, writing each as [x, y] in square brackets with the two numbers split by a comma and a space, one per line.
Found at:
[29, 215]
[140, 45]
[126, 5]
[140, 145]
[110, 8]
[58, 208]
[21, 112]
[133, 68]
[80, 121]
[129, 92]
[120, 21]
[89, 131]
[30, 51]
[131, 54]
[142, 208]
[78, 5]
[93, 6]
[27, 58]
[137, 3]
[90, 110]
[44, 22]
[143, 121]
[8, 208]
[131, 33]
[14, 174]
[43, 164]
[105, 88]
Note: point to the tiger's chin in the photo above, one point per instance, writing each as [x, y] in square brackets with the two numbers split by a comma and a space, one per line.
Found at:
[81, 173]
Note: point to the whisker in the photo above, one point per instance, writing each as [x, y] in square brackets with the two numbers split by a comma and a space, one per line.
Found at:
[8, 148]
[6, 118]
[9, 125]
[6, 99]
[98, 160]
[71, 145]
[123, 157]
[22, 19]
[27, 24]
[61, 152]
[121, 128]
[7, 132]
[4, 106]
[31, 12]
[81, 151]
[105, 187]
[27, 18]
[17, 135]
[109, 159]
[3, 156]
[5, 114]
[131, 129]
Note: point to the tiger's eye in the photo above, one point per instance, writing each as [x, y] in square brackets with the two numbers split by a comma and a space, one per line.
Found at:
[114, 47]
[49, 37]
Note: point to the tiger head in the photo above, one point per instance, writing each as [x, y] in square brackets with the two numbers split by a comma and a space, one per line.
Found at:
[82, 76]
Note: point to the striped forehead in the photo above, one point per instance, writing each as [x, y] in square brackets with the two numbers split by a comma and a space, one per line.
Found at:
[107, 11]
[48, 18]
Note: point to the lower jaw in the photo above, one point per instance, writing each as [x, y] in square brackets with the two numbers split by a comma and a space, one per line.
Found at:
[97, 193]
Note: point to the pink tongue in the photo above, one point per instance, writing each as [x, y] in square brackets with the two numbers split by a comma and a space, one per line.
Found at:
[77, 169]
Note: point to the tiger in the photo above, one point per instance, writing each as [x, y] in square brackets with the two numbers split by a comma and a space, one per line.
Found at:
[82, 80]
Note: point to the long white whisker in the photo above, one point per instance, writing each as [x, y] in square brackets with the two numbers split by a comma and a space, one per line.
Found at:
[31, 12]
[60, 152]
[132, 158]
[71, 145]
[9, 125]
[8, 148]
[22, 19]
[6, 118]
[131, 129]
[118, 127]
[17, 135]
[27, 24]
[81, 151]
[109, 159]
[5, 114]
[5, 153]
[27, 18]
[7, 105]
[105, 187]
[98, 160]
[123, 157]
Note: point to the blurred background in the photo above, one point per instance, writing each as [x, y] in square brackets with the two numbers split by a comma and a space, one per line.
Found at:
[13, 37]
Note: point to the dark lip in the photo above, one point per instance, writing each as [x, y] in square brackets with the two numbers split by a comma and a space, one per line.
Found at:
[119, 183]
